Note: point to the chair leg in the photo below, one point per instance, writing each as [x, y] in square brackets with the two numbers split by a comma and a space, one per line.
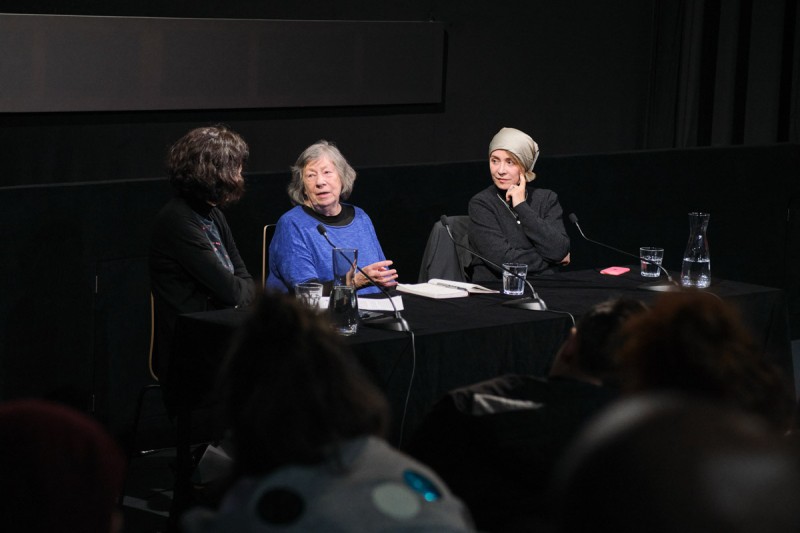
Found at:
[131, 447]
[183, 457]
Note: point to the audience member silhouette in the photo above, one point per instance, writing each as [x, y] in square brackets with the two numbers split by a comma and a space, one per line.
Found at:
[306, 425]
[695, 343]
[61, 471]
[495, 442]
[678, 464]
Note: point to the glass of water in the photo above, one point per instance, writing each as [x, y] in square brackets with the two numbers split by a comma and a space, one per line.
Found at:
[651, 261]
[343, 303]
[343, 309]
[514, 285]
[309, 293]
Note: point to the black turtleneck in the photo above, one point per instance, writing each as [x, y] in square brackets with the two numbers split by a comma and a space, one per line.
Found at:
[345, 216]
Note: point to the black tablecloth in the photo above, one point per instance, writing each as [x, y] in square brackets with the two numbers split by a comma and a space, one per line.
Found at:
[463, 340]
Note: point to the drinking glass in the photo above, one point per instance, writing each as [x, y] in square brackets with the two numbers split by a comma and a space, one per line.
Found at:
[512, 284]
[653, 257]
[309, 293]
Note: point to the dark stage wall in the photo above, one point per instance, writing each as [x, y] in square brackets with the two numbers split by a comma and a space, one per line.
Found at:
[580, 76]
[575, 75]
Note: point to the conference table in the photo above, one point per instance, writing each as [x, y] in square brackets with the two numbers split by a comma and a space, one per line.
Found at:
[459, 341]
[456, 342]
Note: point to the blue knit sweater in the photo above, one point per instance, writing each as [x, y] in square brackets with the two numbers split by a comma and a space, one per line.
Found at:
[299, 253]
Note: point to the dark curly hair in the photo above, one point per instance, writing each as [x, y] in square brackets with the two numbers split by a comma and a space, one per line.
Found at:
[292, 390]
[206, 165]
[695, 343]
[598, 335]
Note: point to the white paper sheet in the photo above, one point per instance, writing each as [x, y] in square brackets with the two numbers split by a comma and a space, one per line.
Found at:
[371, 304]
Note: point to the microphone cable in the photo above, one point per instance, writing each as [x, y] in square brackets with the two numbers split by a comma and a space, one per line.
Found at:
[398, 323]
[402, 326]
[408, 391]
[574, 219]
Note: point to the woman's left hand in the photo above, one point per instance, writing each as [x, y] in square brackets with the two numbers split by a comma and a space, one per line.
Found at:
[380, 273]
[516, 193]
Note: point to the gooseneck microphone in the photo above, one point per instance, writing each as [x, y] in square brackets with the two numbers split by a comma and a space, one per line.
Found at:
[657, 286]
[535, 303]
[394, 323]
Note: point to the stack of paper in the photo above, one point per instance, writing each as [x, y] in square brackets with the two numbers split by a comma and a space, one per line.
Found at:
[440, 288]
[469, 287]
[378, 303]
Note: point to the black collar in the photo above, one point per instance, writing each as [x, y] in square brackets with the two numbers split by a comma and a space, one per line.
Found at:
[201, 207]
[345, 216]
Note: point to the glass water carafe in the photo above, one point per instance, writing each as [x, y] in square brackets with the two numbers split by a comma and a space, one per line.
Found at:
[343, 303]
[696, 270]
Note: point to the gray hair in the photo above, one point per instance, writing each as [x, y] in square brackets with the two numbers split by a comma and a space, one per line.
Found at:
[347, 174]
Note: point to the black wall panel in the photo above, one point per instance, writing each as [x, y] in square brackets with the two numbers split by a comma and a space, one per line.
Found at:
[575, 75]
[68, 63]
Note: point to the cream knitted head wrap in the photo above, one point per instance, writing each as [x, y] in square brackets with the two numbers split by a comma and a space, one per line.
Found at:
[521, 145]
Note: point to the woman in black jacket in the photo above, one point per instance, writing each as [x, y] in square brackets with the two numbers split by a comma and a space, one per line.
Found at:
[512, 221]
[194, 262]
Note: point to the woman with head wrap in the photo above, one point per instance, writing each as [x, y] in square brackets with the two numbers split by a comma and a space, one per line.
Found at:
[512, 221]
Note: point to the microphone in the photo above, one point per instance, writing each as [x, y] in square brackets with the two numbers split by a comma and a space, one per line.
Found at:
[655, 286]
[534, 304]
[394, 323]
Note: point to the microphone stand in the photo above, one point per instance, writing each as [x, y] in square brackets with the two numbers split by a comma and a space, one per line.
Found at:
[392, 323]
[657, 286]
[533, 304]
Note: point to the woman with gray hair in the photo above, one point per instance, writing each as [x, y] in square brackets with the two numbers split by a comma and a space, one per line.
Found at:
[321, 179]
[512, 221]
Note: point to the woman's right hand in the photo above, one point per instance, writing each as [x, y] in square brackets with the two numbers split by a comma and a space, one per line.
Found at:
[516, 193]
[380, 273]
